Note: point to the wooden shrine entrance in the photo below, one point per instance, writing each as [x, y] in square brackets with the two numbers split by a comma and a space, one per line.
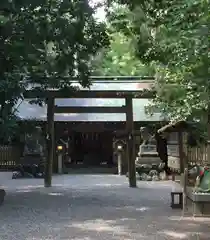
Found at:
[51, 95]
[90, 144]
[92, 149]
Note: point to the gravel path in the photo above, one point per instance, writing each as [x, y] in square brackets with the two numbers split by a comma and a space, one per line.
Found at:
[93, 207]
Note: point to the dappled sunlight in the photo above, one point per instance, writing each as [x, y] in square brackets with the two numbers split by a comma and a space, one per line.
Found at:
[192, 225]
[17, 186]
[95, 208]
[142, 209]
[156, 184]
[186, 228]
[102, 176]
[41, 187]
[35, 238]
[101, 225]
[83, 238]
[175, 235]
[30, 187]
[24, 190]
[133, 208]
[184, 235]
[107, 185]
[56, 194]
[127, 219]
[194, 219]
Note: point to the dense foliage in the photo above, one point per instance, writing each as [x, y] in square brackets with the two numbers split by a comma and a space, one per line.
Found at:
[45, 42]
[119, 58]
[176, 36]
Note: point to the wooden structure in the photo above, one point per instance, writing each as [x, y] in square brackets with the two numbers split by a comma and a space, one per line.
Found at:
[178, 161]
[94, 137]
[8, 157]
[91, 143]
[178, 204]
[197, 155]
[178, 127]
[128, 95]
[195, 202]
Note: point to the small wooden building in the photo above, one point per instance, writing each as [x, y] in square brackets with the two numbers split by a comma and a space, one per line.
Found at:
[188, 149]
[194, 196]
[175, 135]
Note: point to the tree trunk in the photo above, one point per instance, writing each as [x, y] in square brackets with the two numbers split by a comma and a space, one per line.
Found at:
[162, 150]
[208, 140]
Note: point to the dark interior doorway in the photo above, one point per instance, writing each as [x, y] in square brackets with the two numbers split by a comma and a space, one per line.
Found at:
[92, 148]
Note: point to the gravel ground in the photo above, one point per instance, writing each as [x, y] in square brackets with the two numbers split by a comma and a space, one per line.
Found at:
[93, 207]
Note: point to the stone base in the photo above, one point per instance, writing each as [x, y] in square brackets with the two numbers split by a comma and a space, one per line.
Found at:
[198, 209]
[198, 204]
[2, 195]
[148, 160]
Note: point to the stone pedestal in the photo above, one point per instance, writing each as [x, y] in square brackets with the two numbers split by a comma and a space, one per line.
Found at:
[2, 195]
[150, 164]
[198, 203]
[198, 209]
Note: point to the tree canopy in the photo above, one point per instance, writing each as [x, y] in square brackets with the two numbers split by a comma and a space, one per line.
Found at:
[175, 35]
[119, 59]
[45, 42]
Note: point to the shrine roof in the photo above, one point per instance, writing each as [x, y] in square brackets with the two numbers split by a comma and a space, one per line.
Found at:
[28, 111]
[178, 126]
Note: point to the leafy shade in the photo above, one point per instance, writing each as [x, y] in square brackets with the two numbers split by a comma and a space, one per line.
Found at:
[119, 58]
[45, 42]
[8, 129]
[174, 35]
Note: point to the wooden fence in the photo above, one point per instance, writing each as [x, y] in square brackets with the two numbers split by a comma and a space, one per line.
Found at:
[197, 155]
[192, 155]
[9, 155]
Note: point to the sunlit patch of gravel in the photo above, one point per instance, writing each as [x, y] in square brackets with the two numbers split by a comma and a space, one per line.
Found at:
[93, 207]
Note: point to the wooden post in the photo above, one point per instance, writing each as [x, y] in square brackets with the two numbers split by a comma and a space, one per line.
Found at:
[181, 152]
[130, 142]
[208, 141]
[185, 180]
[50, 142]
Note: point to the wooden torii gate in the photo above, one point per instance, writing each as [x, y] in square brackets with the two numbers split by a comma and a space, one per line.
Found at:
[51, 95]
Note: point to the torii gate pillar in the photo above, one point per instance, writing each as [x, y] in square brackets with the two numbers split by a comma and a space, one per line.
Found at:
[130, 142]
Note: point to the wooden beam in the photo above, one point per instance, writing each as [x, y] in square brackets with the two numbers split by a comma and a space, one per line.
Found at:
[181, 152]
[90, 94]
[50, 142]
[125, 133]
[130, 142]
[90, 109]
